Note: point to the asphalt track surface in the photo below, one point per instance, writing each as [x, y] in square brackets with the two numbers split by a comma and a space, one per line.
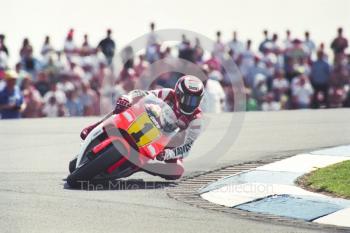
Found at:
[34, 156]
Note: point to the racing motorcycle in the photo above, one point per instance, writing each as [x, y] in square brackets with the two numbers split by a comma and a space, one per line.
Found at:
[123, 143]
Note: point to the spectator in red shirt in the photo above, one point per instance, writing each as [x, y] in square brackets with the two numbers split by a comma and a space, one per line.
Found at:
[214, 63]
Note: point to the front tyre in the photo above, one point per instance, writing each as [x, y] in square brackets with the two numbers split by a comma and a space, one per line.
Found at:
[72, 165]
[88, 171]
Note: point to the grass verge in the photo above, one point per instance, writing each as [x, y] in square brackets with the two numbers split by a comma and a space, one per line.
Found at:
[333, 180]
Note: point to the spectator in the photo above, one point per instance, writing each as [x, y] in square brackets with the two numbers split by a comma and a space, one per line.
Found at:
[252, 104]
[219, 47]
[29, 63]
[3, 47]
[214, 96]
[213, 62]
[11, 98]
[270, 104]
[3, 61]
[293, 57]
[47, 47]
[339, 84]
[235, 45]
[153, 46]
[309, 45]
[89, 100]
[141, 66]
[152, 37]
[339, 44]
[60, 96]
[69, 47]
[257, 68]
[166, 53]
[26, 51]
[54, 109]
[320, 74]
[303, 66]
[280, 85]
[42, 84]
[269, 61]
[287, 43]
[246, 59]
[265, 41]
[86, 49]
[73, 105]
[61, 61]
[230, 69]
[32, 99]
[302, 92]
[260, 88]
[198, 51]
[186, 52]
[214, 74]
[183, 44]
[108, 47]
[322, 50]
[275, 46]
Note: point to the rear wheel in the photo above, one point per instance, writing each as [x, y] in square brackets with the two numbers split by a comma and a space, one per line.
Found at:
[100, 163]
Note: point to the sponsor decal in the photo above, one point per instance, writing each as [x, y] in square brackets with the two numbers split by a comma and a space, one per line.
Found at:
[183, 149]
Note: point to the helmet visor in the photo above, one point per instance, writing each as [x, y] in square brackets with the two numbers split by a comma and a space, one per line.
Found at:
[189, 103]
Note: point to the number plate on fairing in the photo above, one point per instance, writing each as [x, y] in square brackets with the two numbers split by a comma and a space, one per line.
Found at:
[143, 130]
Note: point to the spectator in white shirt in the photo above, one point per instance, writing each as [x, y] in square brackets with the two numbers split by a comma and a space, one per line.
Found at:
[287, 43]
[270, 104]
[302, 92]
[219, 47]
[152, 47]
[47, 47]
[69, 45]
[309, 45]
[214, 96]
[235, 45]
[54, 109]
[280, 85]
[60, 96]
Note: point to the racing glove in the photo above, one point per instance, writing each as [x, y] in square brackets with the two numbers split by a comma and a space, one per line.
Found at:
[122, 104]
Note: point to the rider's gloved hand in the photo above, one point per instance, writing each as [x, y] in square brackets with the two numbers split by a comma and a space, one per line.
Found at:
[122, 104]
[166, 154]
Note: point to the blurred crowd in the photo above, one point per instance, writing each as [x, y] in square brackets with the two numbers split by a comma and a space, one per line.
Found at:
[75, 80]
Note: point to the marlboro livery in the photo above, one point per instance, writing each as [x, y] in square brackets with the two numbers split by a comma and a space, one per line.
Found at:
[124, 143]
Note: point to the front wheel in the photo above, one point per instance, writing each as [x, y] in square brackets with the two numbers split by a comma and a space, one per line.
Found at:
[94, 167]
[72, 165]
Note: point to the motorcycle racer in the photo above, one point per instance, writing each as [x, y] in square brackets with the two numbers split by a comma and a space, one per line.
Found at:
[184, 100]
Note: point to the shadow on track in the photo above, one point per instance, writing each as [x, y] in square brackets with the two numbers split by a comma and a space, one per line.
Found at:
[121, 185]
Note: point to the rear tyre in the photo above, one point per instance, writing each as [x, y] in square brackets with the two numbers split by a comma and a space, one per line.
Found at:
[103, 160]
